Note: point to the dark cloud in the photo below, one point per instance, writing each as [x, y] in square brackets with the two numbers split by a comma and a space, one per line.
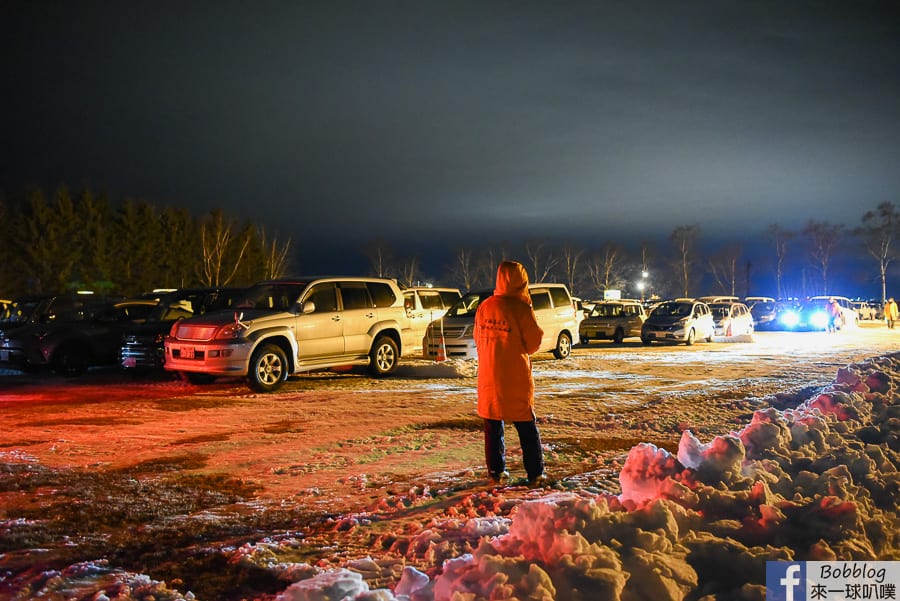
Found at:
[463, 119]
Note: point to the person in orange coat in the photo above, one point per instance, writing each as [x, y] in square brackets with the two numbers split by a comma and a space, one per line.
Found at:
[506, 334]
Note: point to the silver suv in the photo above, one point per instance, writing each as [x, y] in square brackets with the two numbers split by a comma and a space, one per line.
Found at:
[283, 327]
[452, 336]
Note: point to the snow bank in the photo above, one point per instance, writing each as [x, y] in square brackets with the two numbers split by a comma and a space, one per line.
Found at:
[815, 482]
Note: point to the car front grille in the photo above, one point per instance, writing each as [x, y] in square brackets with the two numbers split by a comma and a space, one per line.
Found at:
[195, 332]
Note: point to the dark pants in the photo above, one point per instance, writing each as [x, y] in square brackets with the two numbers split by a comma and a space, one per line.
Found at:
[529, 439]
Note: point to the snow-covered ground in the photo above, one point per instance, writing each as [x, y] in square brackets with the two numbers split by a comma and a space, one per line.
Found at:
[782, 471]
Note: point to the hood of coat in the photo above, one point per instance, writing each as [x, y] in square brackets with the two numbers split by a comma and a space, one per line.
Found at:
[512, 280]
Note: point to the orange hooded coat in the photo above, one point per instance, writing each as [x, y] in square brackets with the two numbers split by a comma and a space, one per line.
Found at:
[506, 333]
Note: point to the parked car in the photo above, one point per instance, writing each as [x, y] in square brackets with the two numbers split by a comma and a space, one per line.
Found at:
[680, 320]
[452, 336]
[732, 319]
[423, 305]
[143, 345]
[613, 320]
[865, 310]
[69, 333]
[719, 299]
[765, 313]
[283, 327]
[813, 314]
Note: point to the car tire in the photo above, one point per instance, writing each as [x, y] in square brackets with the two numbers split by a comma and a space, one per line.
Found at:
[691, 336]
[584, 339]
[619, 336]
[563, 346]
[645, 341]
[384, 357]
[268, 368]
[70, 360]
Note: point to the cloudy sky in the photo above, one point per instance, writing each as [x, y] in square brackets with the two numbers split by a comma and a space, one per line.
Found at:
[461, 121]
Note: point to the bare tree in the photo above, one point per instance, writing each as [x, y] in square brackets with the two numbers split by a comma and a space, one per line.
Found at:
[463, 269]
[780, 239]
[822, 238]
[724, 268]
[880, 228]
[542, 260]
[275, 259]
[570, 257]
[380, 258]
[487, 264]
[216, 244]
[684, 240]
[605, 267]
[409, 271]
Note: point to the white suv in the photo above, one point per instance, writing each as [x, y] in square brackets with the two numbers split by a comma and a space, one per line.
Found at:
[423, 305]
[282, 327]
[452, 336]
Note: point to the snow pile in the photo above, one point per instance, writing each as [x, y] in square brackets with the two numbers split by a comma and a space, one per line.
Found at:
[815, 482]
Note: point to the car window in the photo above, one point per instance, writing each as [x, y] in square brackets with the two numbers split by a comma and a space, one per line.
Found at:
[355, 296]
[468, 304]
[272, 297]
[381, 293]
[540, 300]
[560, 297]
[431, 301]
[448, 297]
[324, 296]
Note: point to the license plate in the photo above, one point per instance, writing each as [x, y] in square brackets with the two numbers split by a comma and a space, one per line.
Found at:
[187, 352]
[129, 362]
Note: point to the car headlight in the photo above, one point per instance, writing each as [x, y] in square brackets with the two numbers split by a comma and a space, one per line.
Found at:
[819, 319]
[790, 318]
[228, 332]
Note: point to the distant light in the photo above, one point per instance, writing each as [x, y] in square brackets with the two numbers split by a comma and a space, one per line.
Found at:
[85, 292]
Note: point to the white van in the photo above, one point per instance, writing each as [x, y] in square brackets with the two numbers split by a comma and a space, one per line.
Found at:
[452, 336]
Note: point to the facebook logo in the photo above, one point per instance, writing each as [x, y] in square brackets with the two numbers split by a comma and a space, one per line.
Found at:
[785, 581]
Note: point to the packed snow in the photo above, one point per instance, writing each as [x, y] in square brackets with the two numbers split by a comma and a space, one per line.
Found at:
[815, 479]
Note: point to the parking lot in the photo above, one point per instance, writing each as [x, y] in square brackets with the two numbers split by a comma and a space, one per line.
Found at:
[108, 465]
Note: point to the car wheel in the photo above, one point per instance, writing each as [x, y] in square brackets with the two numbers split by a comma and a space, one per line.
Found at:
[268, 368]
[199, 379]
[383, 358]
[563, 346]
[70, 360]
[646, 341]
[619, 336]
[690, 337]
[584, 339]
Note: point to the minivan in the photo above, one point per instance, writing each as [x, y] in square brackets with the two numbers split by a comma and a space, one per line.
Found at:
[453, 336]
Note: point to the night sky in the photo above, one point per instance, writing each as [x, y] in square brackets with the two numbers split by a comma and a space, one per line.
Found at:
[461, 122]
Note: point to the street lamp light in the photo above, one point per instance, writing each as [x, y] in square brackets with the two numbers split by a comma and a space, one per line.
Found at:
[643, 283]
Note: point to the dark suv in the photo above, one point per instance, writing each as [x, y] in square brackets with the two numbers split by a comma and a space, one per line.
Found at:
[68, 333]
[143, 345]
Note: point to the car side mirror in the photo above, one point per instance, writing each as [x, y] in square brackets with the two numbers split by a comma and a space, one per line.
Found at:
[308, 307]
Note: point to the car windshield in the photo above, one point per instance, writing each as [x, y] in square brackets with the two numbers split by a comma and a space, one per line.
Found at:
[720, 311]
[762, 307]
[607, 310]
[21, 311]
[270, 297]
[673, 309]
[814, 304]
[468, 304]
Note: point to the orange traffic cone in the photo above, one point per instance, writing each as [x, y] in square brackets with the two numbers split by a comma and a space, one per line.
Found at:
[441, 351]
